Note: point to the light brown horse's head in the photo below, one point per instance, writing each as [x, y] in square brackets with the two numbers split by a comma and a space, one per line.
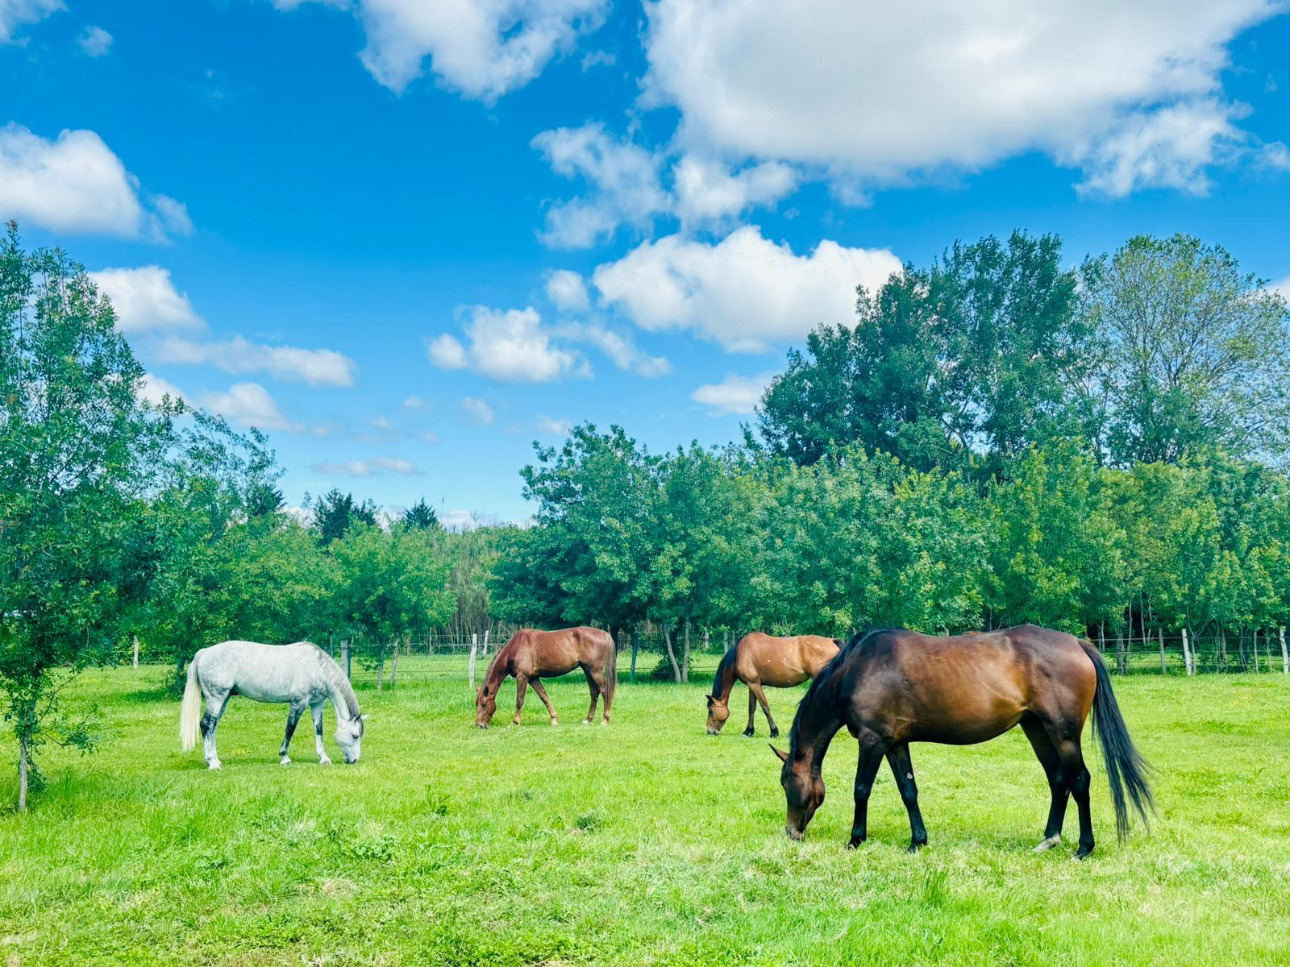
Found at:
[485, 704]
[718, 712]
[804, 790]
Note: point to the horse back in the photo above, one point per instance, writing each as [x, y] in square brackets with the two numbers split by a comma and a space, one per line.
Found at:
[963, 689]
[551, 653]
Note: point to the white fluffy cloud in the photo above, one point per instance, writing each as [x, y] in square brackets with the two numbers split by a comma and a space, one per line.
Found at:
[622, 179]
[145, 299]
[620, 347]
[367, 468]
[154, 389]
[551, 427]
[75, 184]
[509, 345]
[1282, 286]
[13, 13]
[744, 292]
[248, 404]
[707, 190]
[567, 291]
[886, 91]
[316, 367]
[477, 411]
[95, 41]
[482, 48]
[734, 395]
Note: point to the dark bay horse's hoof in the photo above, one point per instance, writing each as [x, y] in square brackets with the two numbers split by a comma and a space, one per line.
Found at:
[915, 847]
[854, 843]
[748, 733]
[1084, 852]
[774, 733]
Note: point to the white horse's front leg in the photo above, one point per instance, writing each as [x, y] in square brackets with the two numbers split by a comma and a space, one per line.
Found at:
[317, 709]
[293, 716]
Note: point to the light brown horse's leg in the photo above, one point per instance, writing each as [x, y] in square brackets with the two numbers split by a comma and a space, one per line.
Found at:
[755, 689]
[752, 713]
[521, 686]
[594, 685]
[541, 693]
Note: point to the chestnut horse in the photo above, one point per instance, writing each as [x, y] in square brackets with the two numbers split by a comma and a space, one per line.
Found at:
[759, 660]
[532, 655]
[894, 687]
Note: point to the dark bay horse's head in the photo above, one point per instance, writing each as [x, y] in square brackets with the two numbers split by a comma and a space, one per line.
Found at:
[718, 712]
[803, 788]
[485, 704]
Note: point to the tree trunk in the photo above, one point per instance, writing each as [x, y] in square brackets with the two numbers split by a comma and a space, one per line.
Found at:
[671, 655]
[344, 657]
[1163, 669]
[22, 773]
[1222, 649]
[380, 668]
[685, 661]
[635, 646]
[394, 669]
[1121, 655]
[1189, 663]
[474, 648]
[1285, 655]
[136, 651]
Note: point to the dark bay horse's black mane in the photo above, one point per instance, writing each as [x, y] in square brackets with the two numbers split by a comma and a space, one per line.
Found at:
[727, 660]
[857, 641]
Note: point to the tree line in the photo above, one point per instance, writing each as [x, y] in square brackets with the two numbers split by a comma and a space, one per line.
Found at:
[998, 437]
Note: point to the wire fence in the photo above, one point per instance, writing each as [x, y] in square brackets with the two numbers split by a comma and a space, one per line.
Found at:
[1260, 651]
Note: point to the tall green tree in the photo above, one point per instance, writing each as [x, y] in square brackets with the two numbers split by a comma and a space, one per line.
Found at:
[77, 447]
[1196, 352]
[335, 513]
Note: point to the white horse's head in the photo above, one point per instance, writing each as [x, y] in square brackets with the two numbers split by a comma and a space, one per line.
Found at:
[349, 736]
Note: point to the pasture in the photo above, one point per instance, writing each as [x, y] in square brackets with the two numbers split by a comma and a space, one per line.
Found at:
[647, 842]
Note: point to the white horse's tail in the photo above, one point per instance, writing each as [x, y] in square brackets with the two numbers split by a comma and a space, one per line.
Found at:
[188, 711]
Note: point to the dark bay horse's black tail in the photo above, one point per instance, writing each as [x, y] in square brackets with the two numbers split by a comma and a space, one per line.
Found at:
[1125, 767]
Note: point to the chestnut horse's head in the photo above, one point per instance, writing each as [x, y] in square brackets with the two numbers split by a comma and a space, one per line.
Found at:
[485, 704]
[804, 790]
[718, 712]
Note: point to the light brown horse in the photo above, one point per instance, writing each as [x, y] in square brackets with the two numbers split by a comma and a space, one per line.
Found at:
[892, 687]
[759, 660]
[533, 655]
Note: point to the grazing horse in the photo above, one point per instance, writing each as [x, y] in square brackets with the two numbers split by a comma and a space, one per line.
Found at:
[301, 674]
[759, 660]
[893, 687]
[533, 655]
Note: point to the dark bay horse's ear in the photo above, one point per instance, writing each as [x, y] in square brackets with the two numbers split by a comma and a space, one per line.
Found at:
[783, 756]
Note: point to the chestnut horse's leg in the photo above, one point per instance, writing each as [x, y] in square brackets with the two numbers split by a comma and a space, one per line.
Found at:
[521, 685]
[752, 713]
[872, 749]
[755, 688]
[595, 686]
[1052, 763]
[541, 693]
[902, 767]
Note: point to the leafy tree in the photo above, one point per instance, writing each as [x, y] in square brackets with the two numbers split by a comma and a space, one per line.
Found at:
[335, 513]
[420, 516]
[970, 356]
[1197, 352]
[76, 451]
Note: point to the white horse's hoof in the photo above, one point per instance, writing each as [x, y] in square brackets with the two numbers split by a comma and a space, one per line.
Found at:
[324, 761]
[215, 763]
[1048, 844]
[555, 722]
[286, 760]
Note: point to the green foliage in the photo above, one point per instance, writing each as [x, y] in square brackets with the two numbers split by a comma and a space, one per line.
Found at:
[420, 516]
[335, 513]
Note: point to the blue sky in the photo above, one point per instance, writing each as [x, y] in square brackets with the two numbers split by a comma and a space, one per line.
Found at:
[411, 238]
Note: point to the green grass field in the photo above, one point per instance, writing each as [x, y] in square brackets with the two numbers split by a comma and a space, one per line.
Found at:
[647, 842]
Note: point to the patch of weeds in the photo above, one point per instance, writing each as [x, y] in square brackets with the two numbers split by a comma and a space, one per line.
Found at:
[589, 822]
[436, 802]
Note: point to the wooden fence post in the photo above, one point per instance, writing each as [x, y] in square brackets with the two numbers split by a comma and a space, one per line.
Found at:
[1285, 655]
[474, 647]
[635, 646]
[1256, 650]
[1161, 633]
[486, 642]
[136, 651]
[344, 655]
[1188, 662]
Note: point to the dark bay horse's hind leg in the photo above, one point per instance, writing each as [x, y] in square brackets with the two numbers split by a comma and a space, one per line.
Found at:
[1064, 735]
[872, 749]
[294, 712]
[755, 688]
[902, 767]
[1052, 763]
[595, 685]
[541, 693]
[752, 713]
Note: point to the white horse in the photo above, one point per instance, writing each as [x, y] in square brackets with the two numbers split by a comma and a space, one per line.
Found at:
[301, 674]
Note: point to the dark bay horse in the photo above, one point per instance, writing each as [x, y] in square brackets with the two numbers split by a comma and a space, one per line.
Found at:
[532, 655]
[893, 687]
[759, 660]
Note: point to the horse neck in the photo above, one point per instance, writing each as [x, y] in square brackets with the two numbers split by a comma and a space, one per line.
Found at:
[343, 699]
[725, 682]
[497, 667]
[817, 722]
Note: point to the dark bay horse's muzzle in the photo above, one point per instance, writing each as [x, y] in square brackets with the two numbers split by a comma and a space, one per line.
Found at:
[794, 834]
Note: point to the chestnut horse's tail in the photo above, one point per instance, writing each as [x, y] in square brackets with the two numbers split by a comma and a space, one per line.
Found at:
[611, 671]
[1125, 767]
